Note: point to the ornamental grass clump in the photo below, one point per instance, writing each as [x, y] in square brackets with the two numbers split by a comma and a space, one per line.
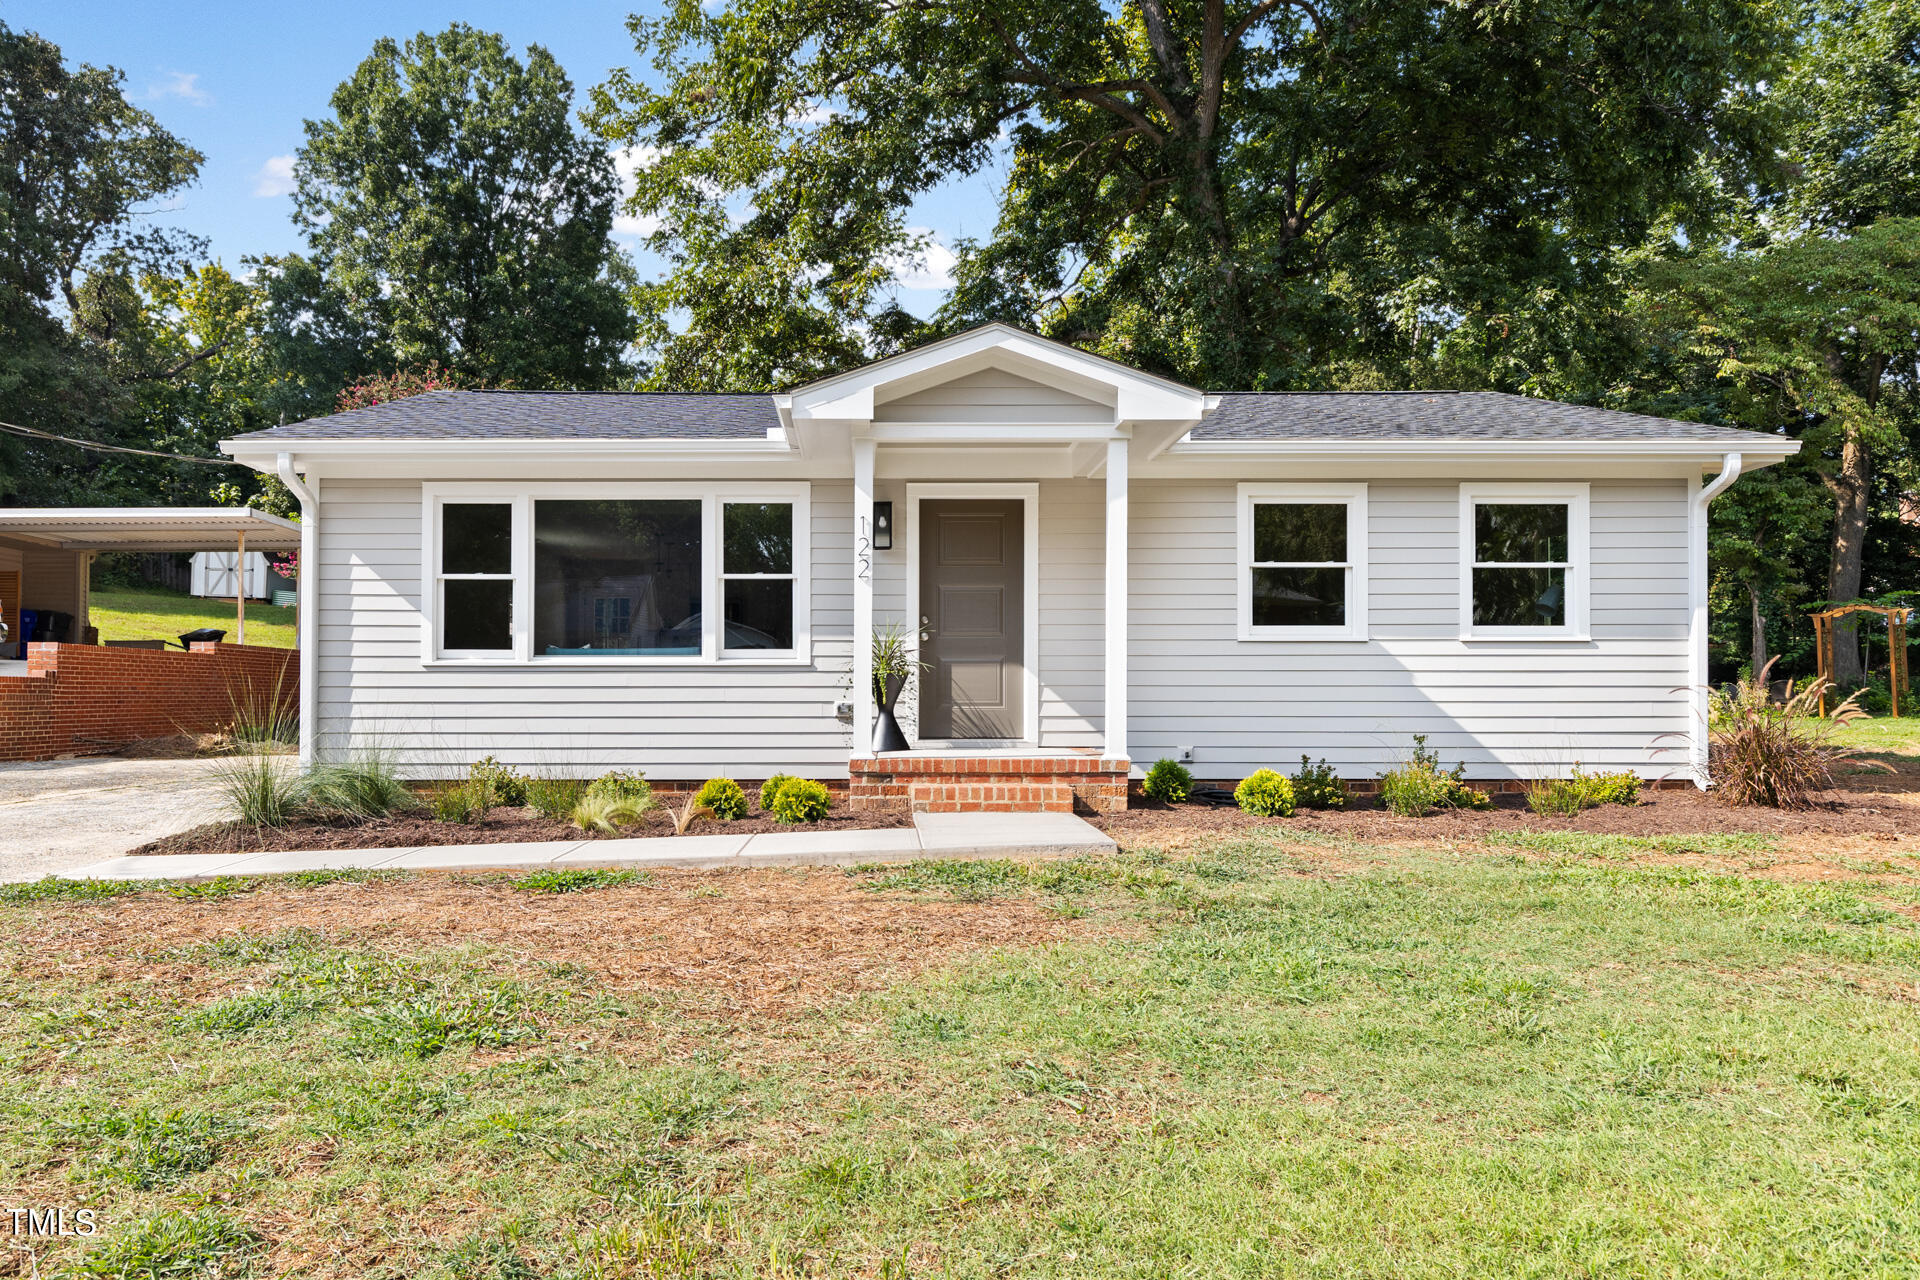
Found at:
[1266, 793]
[261, 790]
[1168, 782]
[362, 787]
[724, 797]
[606, 812]
[800, 800]
[1774, 753]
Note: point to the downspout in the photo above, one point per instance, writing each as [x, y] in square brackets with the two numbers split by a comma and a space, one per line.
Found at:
[307, 619]
[1697, 629]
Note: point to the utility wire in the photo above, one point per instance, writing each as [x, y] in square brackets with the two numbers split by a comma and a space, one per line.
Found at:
[35, 434]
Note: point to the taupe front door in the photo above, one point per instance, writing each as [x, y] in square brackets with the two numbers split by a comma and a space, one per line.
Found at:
[973, 597]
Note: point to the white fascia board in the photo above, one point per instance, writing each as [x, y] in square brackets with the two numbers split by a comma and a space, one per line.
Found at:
[1773, 448]
[264, 455]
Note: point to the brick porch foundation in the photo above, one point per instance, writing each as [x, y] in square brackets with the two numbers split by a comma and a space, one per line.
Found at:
[988, 784]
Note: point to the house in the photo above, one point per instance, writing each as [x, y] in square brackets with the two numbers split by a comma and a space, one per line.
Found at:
[1109, 566]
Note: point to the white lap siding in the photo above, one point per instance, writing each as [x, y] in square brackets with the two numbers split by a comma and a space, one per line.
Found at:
[1507, 709]
[679, 722]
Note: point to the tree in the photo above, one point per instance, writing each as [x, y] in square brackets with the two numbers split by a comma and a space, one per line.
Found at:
[79, 168]
[1231, 193]
[1817, 335]
[1853, 103]
[461, 220]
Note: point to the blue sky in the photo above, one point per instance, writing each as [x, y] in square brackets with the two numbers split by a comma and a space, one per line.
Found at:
[237, 79]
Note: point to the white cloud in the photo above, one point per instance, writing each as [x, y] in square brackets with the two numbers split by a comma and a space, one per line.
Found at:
[184, 85]
[627, 162]
[931, 267]
[275, 177]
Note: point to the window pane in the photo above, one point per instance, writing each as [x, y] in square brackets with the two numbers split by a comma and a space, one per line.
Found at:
[1288, 531]
[759, 613]
[1509, 531]
[1299, 597]
[476, 614]
[1519, 597]
[616, 577]
[759, 537]
[476, 537]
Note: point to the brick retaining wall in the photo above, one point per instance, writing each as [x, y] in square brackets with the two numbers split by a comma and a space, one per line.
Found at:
[81, 699]
[988, 784]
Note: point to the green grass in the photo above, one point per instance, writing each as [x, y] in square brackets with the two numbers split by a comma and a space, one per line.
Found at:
[151, 613]
[1270, 1058]
[1883, 735]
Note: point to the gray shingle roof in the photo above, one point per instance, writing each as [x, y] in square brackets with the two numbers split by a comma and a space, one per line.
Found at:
[1436, 415]
[542, 415]
[1242, 415]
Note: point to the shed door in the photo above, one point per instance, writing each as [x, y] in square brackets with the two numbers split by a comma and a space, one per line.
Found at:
[973, 597]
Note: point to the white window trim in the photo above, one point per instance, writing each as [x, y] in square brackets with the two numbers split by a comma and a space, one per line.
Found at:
[712, 588]
[1579, 552]
[1355, 498]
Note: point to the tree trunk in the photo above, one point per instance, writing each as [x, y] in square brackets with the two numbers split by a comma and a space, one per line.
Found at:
[1757, 653]
[1850, 490]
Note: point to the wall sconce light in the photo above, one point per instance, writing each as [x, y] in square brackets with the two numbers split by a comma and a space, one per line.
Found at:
[883, 526]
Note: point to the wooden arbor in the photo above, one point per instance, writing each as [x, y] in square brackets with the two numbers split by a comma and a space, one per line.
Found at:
[1897, 620]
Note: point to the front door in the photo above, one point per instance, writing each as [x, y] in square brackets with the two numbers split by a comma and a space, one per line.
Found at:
[973, 598]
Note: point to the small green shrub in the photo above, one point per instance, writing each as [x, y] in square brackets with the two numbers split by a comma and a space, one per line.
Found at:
[724, 797]
[555, 797]
[1420, 786]
[1169, 782]
[1266, 793]
[771, 787]
[1614, 788]
[508, 788]
[1568, 796]
[461, 802]
[364, 786]
[622, 785]
[1317, 786]
[800, 800]
[261, 790]
[609, 813]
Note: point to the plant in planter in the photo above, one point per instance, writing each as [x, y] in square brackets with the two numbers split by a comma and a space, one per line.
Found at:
[894, 663]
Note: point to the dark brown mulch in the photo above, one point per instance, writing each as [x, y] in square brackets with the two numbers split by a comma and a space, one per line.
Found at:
[1872, 809]
[502, 826]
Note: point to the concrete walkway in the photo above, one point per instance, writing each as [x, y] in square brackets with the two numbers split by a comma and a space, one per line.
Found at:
[932, 835]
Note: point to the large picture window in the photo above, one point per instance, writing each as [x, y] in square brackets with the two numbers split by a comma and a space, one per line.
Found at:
[1524, 560]
[636, 572]
[1303, 562]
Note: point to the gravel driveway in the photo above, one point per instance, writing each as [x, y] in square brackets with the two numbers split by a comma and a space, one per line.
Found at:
[66, 813]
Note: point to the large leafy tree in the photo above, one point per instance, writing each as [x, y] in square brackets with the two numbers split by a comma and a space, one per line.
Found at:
[80, 168]
[1231, 192]
[459, 216]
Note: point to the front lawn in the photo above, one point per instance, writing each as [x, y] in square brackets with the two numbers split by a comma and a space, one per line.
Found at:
[152, 613]
[1274, 1054]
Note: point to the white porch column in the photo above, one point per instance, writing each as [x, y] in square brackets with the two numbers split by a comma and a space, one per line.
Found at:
[1115, 705]
[863, 708]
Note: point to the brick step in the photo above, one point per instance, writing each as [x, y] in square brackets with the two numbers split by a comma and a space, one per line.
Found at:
[958, 796]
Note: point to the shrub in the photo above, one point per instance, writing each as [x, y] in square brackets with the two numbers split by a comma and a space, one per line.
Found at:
[1266, 793]
[771, 787]
[362, 787]
[1168, 781]
[1420, 786]
[607, 812]
[1570, 795]
[621, 785]
[724, 797]
[509, 788]
[462, 802]
[800, 800]
[263, 790]
[1317, 786]
[1777, 754]
[555, 797]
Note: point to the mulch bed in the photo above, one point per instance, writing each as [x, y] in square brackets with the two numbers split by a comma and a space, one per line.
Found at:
[502, 826]
[1863, 805]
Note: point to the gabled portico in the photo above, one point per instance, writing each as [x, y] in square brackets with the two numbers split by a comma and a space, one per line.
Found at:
[988, 417]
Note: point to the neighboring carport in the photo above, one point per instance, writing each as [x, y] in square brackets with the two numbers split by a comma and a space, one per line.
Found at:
[45, 554]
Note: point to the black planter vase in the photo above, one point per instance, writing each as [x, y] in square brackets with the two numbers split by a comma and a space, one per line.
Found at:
[886, 729]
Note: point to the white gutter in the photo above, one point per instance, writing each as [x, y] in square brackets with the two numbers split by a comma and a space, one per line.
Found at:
[307, 617]
[1699, 697]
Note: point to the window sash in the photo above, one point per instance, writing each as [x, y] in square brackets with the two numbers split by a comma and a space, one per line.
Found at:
[1573, 500]
[1352, 499]
[713, 499]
